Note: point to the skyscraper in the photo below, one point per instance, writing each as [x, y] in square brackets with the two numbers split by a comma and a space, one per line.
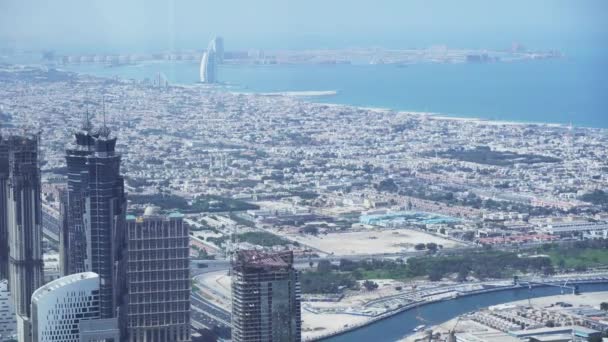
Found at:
[73, 236]
[265, 298]
[21, 201]
[104, 221]
[8, 322]
[93, 237]
[158, 278]
[3, 208]
[62, 308]
[210, 60]
[208, 70]
[218, 47]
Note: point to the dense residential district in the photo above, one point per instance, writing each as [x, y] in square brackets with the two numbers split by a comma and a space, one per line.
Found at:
[364, 212]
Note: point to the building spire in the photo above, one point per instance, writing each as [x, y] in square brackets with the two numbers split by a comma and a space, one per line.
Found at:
[86, 125]
[104, 131]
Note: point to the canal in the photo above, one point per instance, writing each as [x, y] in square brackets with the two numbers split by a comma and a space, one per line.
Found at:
[400, 325]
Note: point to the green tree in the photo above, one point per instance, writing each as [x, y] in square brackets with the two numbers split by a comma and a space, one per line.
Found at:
[468, 236]
[435, 274]
[463, 272]
[420, 246]
[324, 266]
[370, 285]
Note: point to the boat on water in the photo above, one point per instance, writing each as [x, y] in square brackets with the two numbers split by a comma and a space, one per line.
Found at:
[420, 327]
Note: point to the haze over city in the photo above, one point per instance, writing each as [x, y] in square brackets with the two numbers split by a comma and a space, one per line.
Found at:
[109, 25]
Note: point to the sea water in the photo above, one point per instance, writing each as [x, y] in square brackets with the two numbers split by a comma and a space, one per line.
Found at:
[568, 90]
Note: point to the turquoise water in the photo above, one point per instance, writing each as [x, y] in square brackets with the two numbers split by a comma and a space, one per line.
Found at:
[405, 217]
[568, 90]
[396, 327]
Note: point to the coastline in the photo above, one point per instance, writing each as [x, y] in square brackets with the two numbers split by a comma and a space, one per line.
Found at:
[315, 96]
[304, 93]
[456, 117]
[425, 303]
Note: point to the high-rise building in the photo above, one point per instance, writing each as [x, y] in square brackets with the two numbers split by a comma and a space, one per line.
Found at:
[211, 58]
[104, 222]
[218, 47]
[208, 70]
[73, 235]
[8, 322]
[3, 207]
[158, 278]
[265, 297]
[61, 308]
[92, 239]
[21, 202]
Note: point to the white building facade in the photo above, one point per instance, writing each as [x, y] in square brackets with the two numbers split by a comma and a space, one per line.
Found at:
[59, 307]
[8, 322]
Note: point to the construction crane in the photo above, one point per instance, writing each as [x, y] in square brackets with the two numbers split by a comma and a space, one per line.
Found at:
[452, 332]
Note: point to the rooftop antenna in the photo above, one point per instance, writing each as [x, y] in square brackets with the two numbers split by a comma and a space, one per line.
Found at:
[87, 126]
[104, 131]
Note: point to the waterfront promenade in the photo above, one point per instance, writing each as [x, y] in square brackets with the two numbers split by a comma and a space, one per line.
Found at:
[327, 320]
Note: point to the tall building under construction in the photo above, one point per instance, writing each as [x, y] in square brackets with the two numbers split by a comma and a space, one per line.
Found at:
[265, 298]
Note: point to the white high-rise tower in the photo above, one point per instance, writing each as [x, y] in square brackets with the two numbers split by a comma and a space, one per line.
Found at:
[210, 60]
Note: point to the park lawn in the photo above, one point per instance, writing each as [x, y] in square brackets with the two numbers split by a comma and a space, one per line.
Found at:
[379, 273]
[580, 258]
[263, 239]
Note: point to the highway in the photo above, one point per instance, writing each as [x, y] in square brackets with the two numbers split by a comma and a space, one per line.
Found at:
[205, 314]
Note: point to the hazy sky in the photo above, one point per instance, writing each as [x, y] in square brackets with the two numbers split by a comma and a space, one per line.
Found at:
[164, 24]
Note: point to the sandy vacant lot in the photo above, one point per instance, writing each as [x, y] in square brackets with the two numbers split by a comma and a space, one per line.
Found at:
[314, 326]
[371, 242]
